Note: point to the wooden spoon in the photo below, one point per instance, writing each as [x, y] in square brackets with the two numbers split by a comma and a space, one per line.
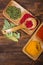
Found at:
[14, 29]
[26, 18]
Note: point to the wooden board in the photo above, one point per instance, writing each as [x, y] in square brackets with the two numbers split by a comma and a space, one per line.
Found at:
[10, 52]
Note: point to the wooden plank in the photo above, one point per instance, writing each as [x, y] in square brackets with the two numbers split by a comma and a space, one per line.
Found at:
[11, 52]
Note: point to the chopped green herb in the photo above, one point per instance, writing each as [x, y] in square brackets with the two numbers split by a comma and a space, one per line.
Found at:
[14, 12]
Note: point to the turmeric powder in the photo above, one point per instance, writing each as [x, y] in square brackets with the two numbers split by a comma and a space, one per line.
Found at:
[33, 48]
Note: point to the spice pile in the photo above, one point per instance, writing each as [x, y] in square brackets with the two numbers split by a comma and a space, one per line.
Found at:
[13, 12]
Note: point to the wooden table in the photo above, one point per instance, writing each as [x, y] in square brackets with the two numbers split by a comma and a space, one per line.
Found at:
[11, 52]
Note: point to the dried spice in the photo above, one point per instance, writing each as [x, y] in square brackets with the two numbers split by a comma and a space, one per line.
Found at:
[14, 12]
[40, 33]
[33, 48]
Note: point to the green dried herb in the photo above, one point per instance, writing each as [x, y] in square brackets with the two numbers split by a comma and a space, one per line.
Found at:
[14, 12]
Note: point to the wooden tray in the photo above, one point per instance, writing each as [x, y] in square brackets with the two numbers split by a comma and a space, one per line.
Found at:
[23, 11]
[34, 37]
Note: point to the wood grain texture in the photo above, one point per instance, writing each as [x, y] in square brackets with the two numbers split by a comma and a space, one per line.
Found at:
[11, 52]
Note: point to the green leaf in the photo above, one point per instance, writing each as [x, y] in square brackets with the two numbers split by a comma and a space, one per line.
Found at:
[12, 25]
[17, 35]
[6, 25]
[12, 35]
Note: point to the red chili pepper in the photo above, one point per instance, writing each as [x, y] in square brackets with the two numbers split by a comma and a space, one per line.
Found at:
[25, 17]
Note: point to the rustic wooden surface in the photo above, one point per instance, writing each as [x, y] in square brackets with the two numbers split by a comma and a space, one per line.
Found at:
[11, 52]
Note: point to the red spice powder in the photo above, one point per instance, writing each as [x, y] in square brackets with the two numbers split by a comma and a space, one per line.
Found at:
[25, 17]
[40, 33]
[29, 24]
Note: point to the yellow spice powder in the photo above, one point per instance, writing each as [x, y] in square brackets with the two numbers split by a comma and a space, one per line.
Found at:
[33, 48]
